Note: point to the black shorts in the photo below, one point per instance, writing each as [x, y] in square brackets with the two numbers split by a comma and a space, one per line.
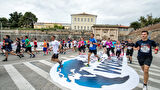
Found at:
[129, 52]
[35, 46]
[144, 60]
[79, 49]
[18, 50]
[8, 49]
[23, 46]
[3, 47]
[103, 46]
[88, 45]
[93, 51]
[28, 49]
[55, 56]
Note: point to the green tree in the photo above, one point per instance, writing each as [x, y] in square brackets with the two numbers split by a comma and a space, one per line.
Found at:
[28, 20]
[143, 21]
[156, 20]
[135, 25]
[150, 20]
[14, 19]
[4, 22]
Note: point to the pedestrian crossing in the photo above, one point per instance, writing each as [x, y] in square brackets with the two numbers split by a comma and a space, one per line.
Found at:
[34, 75]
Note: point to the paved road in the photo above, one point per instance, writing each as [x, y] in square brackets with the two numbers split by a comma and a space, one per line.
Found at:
[33, 74]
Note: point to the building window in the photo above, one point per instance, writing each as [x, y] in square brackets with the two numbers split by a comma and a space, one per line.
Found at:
[91, 19]
[74, 27]
[81, 19]
[88, 27]
[74, 19]
[78, 19]
[84, 27]
[81, 27]
[78, 27]
[85, 19]
[88, 19]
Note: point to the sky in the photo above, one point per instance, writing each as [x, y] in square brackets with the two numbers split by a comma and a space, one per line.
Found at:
[59, 11]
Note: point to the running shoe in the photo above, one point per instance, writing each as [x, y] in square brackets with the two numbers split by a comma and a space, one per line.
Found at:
[30, 55]
[145, 87]
[87, 65]
[33, 56]
[19, 56]
[5, 60]
[99, 59]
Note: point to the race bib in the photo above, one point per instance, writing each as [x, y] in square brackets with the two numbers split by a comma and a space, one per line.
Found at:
[145, 49]
[107, 46]
[129, 47]
[91, 45]
[118, 49]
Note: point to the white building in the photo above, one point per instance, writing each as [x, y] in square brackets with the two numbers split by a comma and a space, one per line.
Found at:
[83, 21]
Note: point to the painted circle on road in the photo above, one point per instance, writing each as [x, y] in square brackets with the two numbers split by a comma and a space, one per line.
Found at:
[105, 75]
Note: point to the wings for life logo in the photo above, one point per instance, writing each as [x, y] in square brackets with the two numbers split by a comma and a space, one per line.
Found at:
[145, 48]
[105, 75]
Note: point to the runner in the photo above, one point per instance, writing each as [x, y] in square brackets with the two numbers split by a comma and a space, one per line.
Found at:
[79, 46]
[123, 46]
[3, 46]
[18, 49]
[130, 45]
[92, 48]
[23, 44]
[8, 48]
[104, 45]
[75, 45]
[108, 47]
[48, 50]
[44, 47]
[113, 47]
[35, 45]
[144, 47]
[118, 49]
[56, 46]
[65, 46]
[29, 47]
[83, 48]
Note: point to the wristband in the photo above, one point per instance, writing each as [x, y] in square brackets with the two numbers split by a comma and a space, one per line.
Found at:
[156, 49]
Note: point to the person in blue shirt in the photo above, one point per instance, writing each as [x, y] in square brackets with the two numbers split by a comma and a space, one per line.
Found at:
[92, 48]
[113, 47]
[23, 44]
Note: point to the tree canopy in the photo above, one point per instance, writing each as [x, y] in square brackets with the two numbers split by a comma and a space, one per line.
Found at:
[17, 20]
[144, 21]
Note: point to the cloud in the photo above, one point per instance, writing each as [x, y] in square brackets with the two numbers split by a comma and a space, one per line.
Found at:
[108, 11]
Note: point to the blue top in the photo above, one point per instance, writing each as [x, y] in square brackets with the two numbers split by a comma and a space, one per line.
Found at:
[113, 44]
[92, 46]
[85, 43]
[23, 41]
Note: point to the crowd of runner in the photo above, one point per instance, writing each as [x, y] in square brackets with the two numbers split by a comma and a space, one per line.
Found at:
[109, 47]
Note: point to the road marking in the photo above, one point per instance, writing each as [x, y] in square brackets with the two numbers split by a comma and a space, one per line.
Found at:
[46, 63]
[18, 79]
[151, 69]
[140, 85]
[43, 73]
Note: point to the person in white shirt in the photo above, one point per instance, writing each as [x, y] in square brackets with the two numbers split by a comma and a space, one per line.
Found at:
[104, 45]
[55, 47]
[74, 45]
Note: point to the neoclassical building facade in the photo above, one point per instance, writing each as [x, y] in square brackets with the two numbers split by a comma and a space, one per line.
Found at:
[82, 21]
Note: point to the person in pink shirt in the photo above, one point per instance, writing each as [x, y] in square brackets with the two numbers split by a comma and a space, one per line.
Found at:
[108, 47]
[81, 46]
